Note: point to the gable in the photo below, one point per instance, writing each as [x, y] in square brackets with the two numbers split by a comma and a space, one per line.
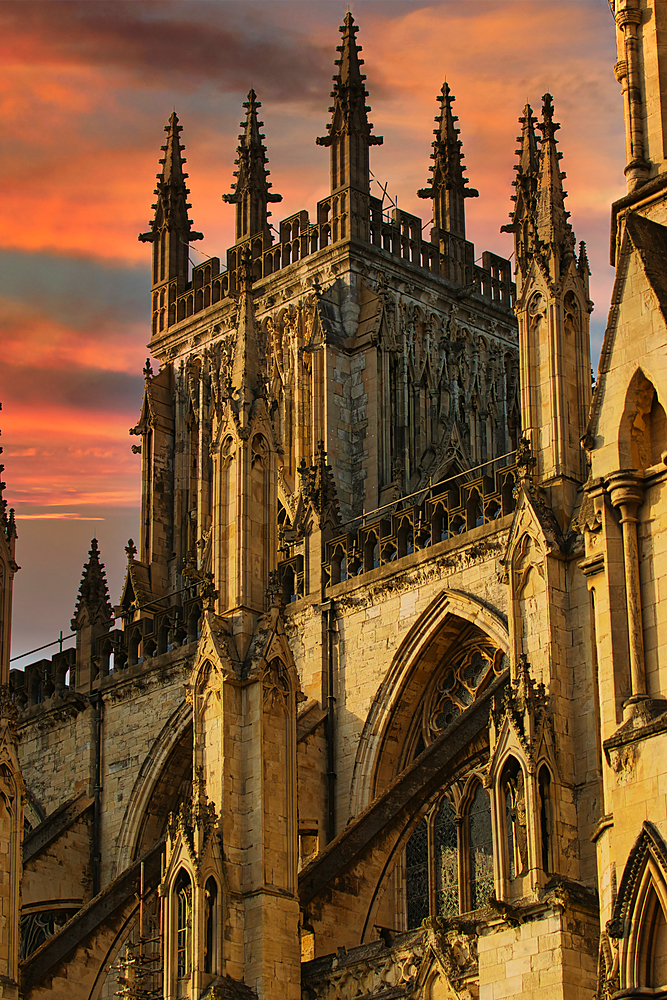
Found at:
[636, 337]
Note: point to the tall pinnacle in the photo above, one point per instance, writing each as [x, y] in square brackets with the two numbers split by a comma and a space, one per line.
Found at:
[251, 193]
[246, 372]
[448, 185]
[93, 597]
[7, 520]
[539, 220]
[171, 208]
[525, 183]
[552, 225]
[349, 161]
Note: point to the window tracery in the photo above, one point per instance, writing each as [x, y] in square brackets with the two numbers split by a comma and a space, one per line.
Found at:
[459, 685]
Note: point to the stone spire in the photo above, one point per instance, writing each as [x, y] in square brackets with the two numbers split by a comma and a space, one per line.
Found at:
[552, 228]
[349, 140]
[525, 184]
[448, 187]
[93, 598]
[539, 219]
[246, 371]
[251, 193]
[171, 230]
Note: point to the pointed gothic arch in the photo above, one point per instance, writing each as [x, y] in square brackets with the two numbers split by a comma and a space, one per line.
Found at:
[164, 775]
[639, 921]
[388, 737]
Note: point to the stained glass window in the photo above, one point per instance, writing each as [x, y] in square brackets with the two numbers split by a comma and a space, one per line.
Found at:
[416, 875]
[481, 849]
[445, 846]
[432, 860]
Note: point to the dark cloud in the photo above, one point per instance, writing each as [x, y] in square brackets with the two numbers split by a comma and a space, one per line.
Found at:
[231, 46]
[87, 389]
[79, 292]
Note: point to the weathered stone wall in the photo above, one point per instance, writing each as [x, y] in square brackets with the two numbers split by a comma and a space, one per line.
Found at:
[550, 954]
[373, 616]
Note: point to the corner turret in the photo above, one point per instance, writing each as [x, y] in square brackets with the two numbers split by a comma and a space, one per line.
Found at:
[448, 187]
[349, 140]
[553, 308]
[251, 193]
[171, 231]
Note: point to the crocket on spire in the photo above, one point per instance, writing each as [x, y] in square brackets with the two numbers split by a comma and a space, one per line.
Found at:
[448, 187]
[251, 193]
[246, 372]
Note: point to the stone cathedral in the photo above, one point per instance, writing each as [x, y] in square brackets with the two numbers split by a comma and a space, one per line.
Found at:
[382, 709]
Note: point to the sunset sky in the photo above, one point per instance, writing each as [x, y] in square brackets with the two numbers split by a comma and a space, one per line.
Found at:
[86, 90]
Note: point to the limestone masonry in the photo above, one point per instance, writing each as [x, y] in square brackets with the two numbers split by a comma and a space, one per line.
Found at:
[386, 711]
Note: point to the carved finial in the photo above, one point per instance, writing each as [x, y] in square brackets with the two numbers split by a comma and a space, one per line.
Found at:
[318, 487]
[250, 192]
[93, 594]
[131, 550]
[448, 187]
[525, 459]
[525, 182]
[171, 208]
[148, 370]
[349, 129]
[552, 225]
[273, 591]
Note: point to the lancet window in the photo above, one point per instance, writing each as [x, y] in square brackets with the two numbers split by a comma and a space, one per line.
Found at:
[211, 925]
[449, 859]
[183, 893]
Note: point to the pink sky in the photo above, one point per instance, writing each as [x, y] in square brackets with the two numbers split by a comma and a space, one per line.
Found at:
[87, 89]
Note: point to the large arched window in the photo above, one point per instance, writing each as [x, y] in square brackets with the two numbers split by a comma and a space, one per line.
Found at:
[417, 876]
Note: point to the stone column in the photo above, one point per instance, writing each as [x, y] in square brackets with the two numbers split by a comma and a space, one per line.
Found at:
[627, 493]
[628, 18]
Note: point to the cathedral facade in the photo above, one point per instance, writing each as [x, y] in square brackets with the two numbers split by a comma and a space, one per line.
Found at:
[382, 710]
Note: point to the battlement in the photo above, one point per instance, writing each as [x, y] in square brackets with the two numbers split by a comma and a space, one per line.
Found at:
[440, 512]
[147, 636]
[399, 234]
